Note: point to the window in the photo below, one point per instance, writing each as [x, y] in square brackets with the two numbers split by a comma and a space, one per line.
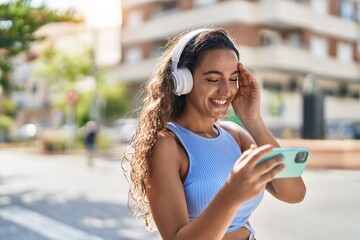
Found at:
[134, 18]
[204, 3]
[293, 39]
[133, 54]
[164, 9]
[300, 1]
[347, 10]
[344, 52]
[320, 6]
[319, 46]
[269, 37]
[357, 10]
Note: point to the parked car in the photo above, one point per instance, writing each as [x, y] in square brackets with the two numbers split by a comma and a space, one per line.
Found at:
[27, 132]
[124, 129]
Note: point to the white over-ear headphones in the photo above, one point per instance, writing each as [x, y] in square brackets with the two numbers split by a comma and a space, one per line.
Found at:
[183, 79]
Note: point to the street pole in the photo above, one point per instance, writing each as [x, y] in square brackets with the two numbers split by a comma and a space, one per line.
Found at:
[103, 16]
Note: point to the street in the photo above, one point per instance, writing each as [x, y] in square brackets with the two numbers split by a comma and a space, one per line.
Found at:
[59, 197]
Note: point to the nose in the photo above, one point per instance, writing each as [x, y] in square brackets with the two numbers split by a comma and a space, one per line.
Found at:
[224, 88]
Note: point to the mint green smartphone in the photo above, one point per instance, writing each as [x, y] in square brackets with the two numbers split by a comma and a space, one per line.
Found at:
[295, 160]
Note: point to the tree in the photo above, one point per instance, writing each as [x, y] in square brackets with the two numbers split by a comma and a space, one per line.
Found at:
[18, 22]
[19, 19]
[63, 72]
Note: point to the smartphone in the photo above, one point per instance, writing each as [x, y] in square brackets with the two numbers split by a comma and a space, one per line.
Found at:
[295, 160]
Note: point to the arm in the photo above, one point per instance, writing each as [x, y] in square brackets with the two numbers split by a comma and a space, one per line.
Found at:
[291, 190]
[247, 107]
[167, 200]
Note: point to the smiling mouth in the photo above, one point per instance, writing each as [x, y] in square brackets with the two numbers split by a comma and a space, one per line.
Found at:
[219, 102]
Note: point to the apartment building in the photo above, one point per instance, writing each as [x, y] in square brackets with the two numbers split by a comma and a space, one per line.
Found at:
[280, 41]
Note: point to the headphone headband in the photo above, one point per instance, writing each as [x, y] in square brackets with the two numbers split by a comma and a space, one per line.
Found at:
[182, 44]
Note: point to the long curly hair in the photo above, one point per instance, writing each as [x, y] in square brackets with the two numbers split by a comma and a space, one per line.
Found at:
[160, 106]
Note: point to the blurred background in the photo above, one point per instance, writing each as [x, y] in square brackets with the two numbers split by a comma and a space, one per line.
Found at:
[71, 74]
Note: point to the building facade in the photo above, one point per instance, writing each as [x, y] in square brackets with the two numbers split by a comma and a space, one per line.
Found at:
[280, 41]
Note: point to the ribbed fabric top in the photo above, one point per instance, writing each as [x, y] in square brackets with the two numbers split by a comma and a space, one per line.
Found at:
[210, 163]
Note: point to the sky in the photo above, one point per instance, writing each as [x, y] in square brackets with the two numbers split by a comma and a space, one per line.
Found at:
[97, 13]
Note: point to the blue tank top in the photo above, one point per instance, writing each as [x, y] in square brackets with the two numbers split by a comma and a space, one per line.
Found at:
[210, 163]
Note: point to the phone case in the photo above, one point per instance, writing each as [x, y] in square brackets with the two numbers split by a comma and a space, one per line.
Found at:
[295, 160]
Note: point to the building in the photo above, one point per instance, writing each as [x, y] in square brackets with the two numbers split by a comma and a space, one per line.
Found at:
[280, 41]
[72, 39]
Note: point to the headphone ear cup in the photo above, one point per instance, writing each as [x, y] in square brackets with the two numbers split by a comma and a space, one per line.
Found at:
[183, 81]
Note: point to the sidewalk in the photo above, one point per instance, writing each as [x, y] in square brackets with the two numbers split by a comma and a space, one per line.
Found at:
[62, 190]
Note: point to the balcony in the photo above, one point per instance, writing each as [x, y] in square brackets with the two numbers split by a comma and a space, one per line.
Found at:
[288, 14]
[290, 59]
[279, 57]
[275, 13]
[135, 72]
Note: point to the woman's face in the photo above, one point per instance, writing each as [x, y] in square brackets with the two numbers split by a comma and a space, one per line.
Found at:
[215, 83]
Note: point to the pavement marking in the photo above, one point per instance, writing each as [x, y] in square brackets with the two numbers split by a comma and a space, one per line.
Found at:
[43, 225]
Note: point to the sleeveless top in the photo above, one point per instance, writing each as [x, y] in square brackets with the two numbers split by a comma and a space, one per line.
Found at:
[210, 163]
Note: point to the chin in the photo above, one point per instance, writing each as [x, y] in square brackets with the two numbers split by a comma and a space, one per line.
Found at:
[220, 115]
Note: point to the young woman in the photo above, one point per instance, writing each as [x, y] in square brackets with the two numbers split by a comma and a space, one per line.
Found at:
[197, 177]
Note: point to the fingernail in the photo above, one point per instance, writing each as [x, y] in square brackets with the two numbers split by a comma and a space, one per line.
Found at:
[282, 157]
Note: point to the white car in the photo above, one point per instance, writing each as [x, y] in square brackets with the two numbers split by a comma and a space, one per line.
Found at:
[27, 131]
[124, 129]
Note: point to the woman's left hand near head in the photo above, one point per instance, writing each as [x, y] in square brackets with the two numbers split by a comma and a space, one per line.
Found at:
[246, 102]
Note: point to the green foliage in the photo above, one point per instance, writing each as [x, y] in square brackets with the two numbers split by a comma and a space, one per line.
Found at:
[104, 141]
[56, 66]
[6, 124]
[63, 71]
[118, 101]
[5, 70]
[18, 22]
[8, 106]
[231, 116]
[83, 108]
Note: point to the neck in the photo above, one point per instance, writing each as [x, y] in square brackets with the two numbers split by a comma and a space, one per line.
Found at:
[202, 126]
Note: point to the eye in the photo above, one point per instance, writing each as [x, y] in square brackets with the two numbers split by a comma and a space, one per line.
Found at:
[234, 79]
[212, 80]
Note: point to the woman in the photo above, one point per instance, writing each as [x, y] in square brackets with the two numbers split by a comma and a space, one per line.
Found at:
[195, 176]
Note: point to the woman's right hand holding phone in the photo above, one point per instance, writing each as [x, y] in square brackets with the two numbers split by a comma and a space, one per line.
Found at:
[247, 178]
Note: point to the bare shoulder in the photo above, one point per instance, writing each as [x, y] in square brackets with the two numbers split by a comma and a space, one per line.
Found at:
[167, 149]
[167, 140]
[241, 136]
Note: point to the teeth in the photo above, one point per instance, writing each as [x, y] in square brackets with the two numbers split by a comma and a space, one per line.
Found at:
[219, 101]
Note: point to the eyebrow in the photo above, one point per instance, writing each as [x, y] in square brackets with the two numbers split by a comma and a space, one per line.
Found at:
[219, 73]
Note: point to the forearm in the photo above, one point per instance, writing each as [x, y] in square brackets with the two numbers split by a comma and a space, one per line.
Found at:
[291, 190]
[213, 222]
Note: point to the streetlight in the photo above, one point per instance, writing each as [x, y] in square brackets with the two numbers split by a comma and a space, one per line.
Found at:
[103, 18]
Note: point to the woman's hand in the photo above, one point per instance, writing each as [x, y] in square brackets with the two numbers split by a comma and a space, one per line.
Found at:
[248, 178]
[246, 103]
